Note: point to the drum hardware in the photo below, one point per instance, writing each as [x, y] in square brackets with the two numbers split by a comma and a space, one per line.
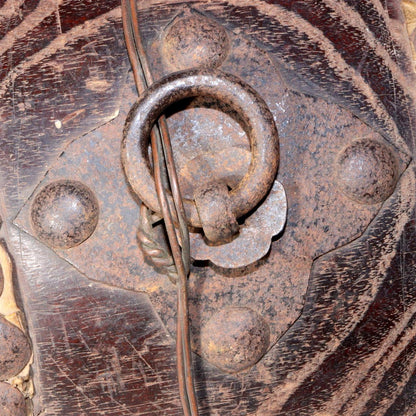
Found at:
[215, 207]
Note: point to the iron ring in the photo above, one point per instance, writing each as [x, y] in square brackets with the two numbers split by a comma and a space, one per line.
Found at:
[256, 120]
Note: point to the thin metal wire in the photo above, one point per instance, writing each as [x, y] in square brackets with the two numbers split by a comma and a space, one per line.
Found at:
[159, 255]
[165, 176]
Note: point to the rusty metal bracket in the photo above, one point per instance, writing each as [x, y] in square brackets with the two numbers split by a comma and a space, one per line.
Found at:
[233, 94]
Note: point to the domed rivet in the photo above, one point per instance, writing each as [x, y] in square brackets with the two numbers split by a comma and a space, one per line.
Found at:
[367, 171]
[194, 41]
[15, 350]
[12, 402]
[235, 339]
[64, 213]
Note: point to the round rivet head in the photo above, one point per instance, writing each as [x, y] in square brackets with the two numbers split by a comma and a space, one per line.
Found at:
[234, 339]
[12, 402]
[367, 171]
[15, 350]
[64, 213]
[194, 41]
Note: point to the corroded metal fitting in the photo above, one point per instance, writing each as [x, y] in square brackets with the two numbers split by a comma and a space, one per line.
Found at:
[232, 94]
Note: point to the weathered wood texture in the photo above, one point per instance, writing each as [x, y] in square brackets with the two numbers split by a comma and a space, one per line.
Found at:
[336, 290]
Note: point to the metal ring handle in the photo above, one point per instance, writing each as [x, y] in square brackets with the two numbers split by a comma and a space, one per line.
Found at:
[256, 119]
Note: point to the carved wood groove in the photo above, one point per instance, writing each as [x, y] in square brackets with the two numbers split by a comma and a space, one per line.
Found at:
[102, 342]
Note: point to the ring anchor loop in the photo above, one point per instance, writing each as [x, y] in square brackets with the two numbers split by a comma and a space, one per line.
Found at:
[213, 208]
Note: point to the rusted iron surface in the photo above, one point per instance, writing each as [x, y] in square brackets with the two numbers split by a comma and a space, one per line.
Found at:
[336, 289]
[255, 236]
[214, 207]
[367, 171]
[231, 95]
[15, 350]
[235, 339]
[307, 173]
[12, 402]
[194, 41]
[64, 214]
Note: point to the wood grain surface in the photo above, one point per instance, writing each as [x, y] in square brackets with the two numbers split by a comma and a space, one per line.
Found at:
[337, 289]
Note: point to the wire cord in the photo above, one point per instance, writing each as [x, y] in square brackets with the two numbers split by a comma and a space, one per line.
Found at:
[166, 179]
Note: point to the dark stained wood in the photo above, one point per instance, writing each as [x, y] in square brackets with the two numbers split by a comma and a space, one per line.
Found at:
[101, 351]
[337, 289]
